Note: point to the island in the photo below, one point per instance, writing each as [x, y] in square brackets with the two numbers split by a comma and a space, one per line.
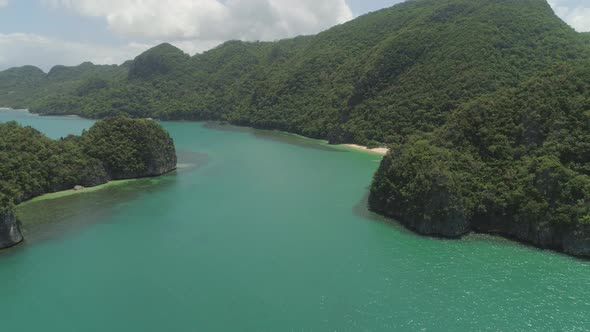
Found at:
[115, 148]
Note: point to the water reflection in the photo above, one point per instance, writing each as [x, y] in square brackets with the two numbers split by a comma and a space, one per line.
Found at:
[276, 136]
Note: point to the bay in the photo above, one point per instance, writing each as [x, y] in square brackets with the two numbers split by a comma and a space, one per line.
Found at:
[265, 231]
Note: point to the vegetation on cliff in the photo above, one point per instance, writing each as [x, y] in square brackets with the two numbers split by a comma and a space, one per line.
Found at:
[32, 164]
[512, 162]
[130, 148]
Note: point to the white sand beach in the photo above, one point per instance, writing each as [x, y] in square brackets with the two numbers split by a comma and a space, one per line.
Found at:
[379, 151]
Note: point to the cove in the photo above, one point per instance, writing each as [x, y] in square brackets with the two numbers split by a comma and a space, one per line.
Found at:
[263, 231]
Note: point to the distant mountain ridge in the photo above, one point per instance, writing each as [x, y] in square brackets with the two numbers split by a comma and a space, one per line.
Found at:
[23, 86]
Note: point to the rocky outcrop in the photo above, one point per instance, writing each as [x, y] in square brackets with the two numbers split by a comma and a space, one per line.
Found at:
[428, 198]
[570, 239]
[10, 234]
[436, 219]
[131, 148]
[165, 165]
[425, 189]
[576, 241]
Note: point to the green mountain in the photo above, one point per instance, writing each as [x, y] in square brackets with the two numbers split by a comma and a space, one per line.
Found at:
[24, 86]
[373, 80]
[160, 60]
[472, 95]
[515, 162]
[16, 84]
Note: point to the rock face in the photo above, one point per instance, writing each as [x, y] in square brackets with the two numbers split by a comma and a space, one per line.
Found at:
[165, 165]
[10, 234]
[433, 220]
[577, 241]
[430, 203]
[570, 239]
[422, 189]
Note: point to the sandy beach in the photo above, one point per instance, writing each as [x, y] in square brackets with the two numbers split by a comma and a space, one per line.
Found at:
[379, 151]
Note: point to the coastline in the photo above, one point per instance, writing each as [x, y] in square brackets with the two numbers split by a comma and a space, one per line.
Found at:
[349, 146]
[378, 151]
[70, 192]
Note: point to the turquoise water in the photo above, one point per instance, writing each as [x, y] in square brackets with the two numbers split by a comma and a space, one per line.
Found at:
[266, 232]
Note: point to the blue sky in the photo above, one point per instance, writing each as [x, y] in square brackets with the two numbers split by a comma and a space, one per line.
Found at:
[49, 32]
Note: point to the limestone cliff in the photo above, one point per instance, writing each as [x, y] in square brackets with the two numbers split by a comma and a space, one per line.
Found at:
[10, 234]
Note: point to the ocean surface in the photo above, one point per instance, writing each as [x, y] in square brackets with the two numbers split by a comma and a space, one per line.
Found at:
[264, 231]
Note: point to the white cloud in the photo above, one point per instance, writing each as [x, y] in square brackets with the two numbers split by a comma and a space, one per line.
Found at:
[578, 16]
[212, 19]
[19, 49]
[195, 26]
[23, 49]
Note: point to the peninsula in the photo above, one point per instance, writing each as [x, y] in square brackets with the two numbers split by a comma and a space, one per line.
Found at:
[112, 149]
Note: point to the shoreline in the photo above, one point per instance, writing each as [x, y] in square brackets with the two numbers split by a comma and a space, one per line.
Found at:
[70, 192]
[378, 151]
[381, 151]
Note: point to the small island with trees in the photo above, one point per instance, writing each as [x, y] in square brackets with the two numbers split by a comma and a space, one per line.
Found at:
[115, 148]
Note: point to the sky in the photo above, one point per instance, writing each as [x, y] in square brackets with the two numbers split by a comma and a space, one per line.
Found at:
[49, 32]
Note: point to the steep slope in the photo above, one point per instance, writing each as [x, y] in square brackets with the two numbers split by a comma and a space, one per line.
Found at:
[10, 233]
[161, 60]
[27, 86]
[373, 80]
[17, 83]
[514, 162]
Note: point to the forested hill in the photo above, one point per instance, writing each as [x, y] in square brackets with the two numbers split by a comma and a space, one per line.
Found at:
[113, 149]
[376, 79]
[21, 87]
[515, 162]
